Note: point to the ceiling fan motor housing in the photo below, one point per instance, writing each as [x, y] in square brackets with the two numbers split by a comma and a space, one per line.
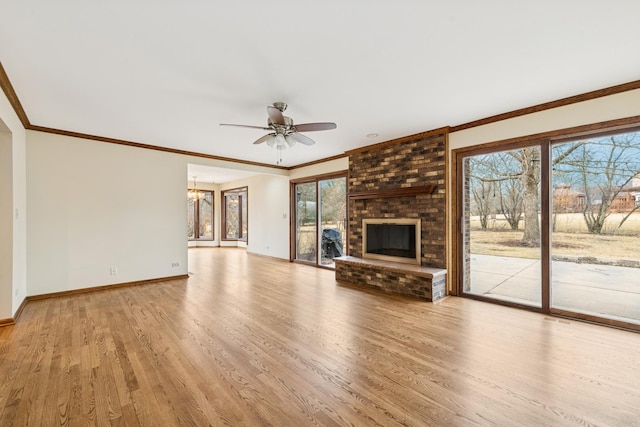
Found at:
[280, 106]
[279, 127]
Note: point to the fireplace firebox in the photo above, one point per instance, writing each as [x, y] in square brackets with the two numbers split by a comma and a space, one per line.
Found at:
[392, 239]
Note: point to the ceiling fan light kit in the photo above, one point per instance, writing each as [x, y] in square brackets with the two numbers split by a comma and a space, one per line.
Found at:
[284, 132]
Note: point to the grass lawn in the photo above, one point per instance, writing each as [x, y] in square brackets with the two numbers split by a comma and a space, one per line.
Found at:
[569, 239]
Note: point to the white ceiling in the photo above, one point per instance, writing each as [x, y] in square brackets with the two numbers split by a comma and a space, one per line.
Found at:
[167, 73]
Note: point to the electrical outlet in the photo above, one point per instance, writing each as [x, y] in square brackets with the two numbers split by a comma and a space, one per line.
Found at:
[113, 271]
[175, 264]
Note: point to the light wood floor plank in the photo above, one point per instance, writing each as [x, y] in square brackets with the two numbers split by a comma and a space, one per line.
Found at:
[249, 340]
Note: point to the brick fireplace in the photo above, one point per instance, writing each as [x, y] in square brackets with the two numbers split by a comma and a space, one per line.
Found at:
[399, 179]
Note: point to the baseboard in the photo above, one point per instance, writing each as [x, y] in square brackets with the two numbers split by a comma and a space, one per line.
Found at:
[268, 256]
[104, 287]
[19, 310]
[12, 320]
[7, 322]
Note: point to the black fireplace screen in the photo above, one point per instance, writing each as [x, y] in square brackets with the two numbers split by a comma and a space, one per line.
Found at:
[391, 239]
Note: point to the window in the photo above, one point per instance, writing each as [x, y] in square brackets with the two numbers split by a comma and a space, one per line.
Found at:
[200, 215]
[235, 214]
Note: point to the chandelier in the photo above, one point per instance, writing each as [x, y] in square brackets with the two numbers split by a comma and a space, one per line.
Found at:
[194, 194]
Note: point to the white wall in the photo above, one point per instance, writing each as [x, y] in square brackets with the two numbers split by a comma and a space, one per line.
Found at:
[268, 204]
[20, 280]
[13, 288]
[618, 106]
[95, 206]
[6, 222]
[336, 165]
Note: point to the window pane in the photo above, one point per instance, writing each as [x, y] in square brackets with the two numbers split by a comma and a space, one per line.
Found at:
[191, 229]
[596, 227]
[231, 215]
[333, 218]
[501, 235]
[244, 227]
[205, 220]
[306, 228]
[235, 214]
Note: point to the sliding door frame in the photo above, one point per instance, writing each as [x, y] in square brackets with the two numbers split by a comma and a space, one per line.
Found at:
[545, 140]
[292, 212]
[459, 156]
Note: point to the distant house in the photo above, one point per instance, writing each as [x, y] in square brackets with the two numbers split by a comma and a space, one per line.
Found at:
[629, 197]
[627, 200]
[567, 200]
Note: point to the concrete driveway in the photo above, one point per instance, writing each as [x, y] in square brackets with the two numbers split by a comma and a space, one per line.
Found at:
[595, 289]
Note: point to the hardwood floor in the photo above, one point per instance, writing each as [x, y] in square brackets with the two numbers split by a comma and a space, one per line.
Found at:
[249, 340]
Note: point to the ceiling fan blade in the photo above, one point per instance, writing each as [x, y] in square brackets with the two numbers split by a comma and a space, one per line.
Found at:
[308, 127]
[302, 139]
[246, 126]
[275, 115]
[264, 138]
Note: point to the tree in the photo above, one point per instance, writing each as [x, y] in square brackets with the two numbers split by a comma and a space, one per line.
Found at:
[518, 172]
[489, 183]
[529, 159]
[603, 168]
[482, 198]
[511, 202]
[306, 203]
[333, 196]
[518, 175]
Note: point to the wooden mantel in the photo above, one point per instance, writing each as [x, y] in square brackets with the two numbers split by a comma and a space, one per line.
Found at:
[393, 192]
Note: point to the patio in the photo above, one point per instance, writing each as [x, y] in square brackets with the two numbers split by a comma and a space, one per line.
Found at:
[595, 289]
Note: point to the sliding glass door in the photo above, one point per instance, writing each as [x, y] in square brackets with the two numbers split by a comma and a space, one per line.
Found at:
[502, 256]
[332, 218]
[306, 227]
[595, 267]
[320, 219]
[554, 226]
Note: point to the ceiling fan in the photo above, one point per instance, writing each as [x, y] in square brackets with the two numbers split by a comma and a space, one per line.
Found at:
[284, 131]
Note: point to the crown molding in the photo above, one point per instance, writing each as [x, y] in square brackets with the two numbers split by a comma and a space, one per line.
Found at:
[315, 162]
[11, 95]
[612, 90]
